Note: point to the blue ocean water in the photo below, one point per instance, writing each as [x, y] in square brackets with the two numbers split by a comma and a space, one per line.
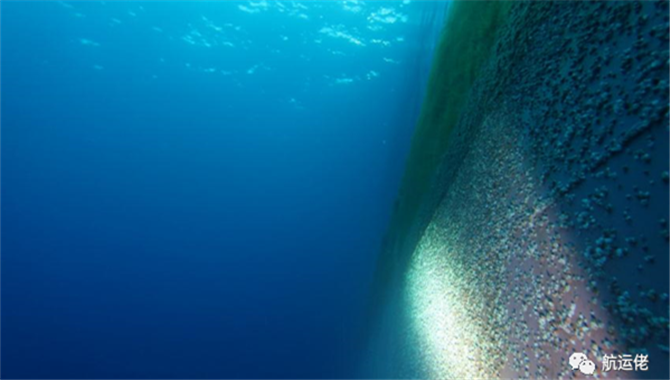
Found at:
[200, 189]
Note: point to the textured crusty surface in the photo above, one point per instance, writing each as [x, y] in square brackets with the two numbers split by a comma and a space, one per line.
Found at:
[551, 232]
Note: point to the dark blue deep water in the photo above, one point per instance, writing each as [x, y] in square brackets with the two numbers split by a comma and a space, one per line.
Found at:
[200, 190]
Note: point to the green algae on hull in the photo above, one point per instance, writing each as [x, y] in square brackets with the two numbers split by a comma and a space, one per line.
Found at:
[462, 51]
[472, 28]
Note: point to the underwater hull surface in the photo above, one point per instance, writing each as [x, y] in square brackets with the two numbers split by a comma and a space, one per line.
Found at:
[542, 230]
